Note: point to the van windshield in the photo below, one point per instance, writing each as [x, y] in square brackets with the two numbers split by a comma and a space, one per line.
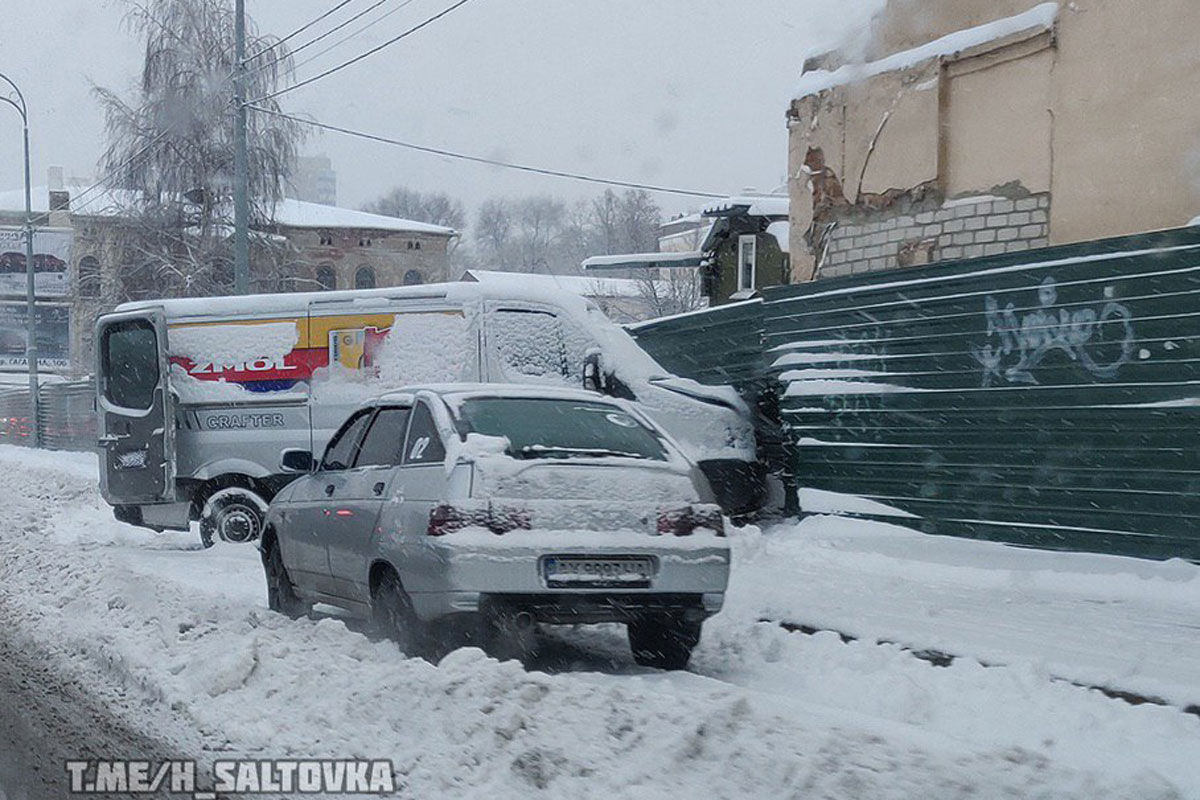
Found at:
[552, 428]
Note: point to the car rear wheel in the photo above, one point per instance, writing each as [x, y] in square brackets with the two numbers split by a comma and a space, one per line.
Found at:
[232, 515]
[664, 642]
[393, 615]
[281, 593]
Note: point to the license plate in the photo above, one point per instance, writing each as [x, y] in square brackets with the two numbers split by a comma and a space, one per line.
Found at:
[585, 572]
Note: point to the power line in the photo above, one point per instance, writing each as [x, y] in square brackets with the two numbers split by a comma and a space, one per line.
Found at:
[311, 42]
[361, 56]
[554, 173]
[300, 30]
[314, 56]
[77, 200]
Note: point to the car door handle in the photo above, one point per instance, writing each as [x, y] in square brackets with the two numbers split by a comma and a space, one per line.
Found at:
[110, 438]
[378, 488]
[329, 490]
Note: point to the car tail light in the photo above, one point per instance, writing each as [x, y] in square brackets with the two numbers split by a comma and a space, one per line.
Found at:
[684, 521]
[446, 518]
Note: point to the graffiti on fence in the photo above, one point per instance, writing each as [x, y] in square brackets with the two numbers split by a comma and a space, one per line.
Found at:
[1100, 339]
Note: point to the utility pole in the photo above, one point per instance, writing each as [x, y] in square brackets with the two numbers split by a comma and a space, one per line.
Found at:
[241, 169]
[31, 348]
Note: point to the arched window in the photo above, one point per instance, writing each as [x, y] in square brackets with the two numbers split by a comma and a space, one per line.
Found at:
[413, 278]
[364, 278]
[89, 277]
[327, 278]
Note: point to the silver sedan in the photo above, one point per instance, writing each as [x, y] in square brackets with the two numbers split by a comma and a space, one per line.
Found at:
[485, 509]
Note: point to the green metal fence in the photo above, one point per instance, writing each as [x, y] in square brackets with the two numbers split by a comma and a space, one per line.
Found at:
[1048, 398]
[721, 345]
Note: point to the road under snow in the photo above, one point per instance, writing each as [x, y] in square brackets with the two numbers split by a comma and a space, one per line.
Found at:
[177, 644]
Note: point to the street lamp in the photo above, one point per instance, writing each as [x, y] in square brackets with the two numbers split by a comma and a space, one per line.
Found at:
[31, 353]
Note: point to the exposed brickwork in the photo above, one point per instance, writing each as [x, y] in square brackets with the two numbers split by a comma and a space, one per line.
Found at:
[963, 228]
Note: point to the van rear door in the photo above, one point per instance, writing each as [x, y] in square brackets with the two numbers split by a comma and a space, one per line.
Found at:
[136, 413]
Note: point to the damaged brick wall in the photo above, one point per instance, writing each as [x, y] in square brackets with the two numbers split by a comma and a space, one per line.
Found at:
[853, 239]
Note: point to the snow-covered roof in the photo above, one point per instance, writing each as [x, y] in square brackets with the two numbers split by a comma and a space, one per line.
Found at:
[289, 212]
[302, 214]
[576, 284]
[1040, 17]
[756, 205]
[643, 260]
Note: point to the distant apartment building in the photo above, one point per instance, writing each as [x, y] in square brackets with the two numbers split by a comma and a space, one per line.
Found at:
[313, 180]
[976, 127]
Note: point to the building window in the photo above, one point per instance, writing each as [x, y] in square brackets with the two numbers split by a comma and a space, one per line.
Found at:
[327, 239]
[89, 277]
[413, 278]
[746, 262]
[364, 278]
[326, 278]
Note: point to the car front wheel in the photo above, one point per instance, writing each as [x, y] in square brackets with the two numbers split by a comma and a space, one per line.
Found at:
[664, 642]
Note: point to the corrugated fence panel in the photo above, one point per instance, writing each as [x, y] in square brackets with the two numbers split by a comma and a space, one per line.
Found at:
[721, 345]
[1048, 398]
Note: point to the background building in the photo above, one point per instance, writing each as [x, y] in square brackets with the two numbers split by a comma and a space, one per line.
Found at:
[976, 127]
[314, 180]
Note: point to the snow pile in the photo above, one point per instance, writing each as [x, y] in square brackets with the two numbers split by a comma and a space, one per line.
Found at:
[425, 348]
[1040, 17]
[764, 713]
[233, 344]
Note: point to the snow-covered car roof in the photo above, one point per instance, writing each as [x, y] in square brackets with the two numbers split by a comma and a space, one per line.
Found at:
[291, 302]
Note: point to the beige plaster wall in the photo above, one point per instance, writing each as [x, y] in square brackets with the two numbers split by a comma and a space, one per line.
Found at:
[998, 126]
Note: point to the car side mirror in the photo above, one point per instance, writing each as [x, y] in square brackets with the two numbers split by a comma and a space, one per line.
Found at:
[296, 461]
[593, 371]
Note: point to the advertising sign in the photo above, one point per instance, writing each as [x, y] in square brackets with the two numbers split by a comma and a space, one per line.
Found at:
[53, 335]
[51, 257]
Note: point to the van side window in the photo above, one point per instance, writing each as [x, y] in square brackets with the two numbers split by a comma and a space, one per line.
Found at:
[384, 442]
[529, 345]
[424, 445]
[343, 447]
[130, 363]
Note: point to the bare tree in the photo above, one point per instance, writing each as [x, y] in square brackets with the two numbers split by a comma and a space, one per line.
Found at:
[170, 152]
[436, 208]
[674, 291]
[544, 234]
[494, 233]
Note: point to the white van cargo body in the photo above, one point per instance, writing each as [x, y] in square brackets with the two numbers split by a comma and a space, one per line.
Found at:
[198, 398]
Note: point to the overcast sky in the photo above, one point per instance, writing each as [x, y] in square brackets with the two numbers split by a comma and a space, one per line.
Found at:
[685, 93]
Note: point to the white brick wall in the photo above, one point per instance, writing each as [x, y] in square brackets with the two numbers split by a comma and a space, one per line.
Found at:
[965, 229]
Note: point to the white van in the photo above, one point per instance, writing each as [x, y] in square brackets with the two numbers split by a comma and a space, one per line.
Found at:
[198, 398]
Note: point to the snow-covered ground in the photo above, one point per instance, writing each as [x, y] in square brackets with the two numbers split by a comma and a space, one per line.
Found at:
[761, 712]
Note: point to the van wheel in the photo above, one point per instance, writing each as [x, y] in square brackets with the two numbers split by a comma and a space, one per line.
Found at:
[664, 642]
[281, 593]
[393, 616]
[232, 515]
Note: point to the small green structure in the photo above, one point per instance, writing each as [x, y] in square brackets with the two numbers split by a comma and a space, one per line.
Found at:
[743, 248]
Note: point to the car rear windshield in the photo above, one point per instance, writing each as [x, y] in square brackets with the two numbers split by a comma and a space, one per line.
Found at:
[550, 428]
